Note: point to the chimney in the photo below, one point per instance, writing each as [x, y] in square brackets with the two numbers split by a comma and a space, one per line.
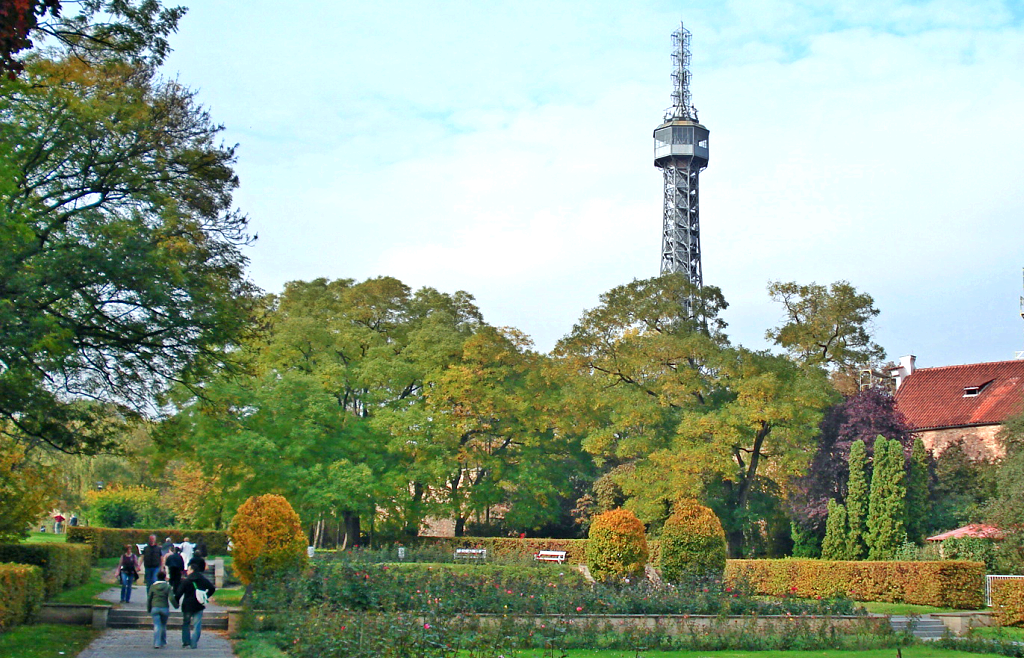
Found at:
[905, 369]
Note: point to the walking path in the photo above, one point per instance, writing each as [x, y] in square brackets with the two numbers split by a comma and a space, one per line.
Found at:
[132, 643]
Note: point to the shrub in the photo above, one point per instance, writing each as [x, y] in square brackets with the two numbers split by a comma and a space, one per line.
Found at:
[945, 584]
[267, 537]
[62, 565]
[1008, 601]
[21, 594]
[692, 544]
[128, 507]
[27, 490]
[617, 546]
[972, 549]
[109, 542]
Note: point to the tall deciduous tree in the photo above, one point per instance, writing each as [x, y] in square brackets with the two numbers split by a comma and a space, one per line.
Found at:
[886, 508]
[122, 270]
[828, 326]
[695, 416]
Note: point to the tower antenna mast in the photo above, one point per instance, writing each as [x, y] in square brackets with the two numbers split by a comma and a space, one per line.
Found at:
[681, 152]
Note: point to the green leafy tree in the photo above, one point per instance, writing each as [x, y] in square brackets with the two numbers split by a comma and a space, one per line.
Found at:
[692, 544]
[918, 504]
[1004, 509]
[122, 270]
[836, 544]
[695, 417]
[27, 490]
[887, 506]
[828, 326]
[857, 501]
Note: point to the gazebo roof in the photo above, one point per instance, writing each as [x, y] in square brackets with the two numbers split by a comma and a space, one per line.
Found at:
[979, 530]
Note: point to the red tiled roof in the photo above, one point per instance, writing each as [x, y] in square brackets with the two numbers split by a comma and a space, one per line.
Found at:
[978, 530]
[934, 397]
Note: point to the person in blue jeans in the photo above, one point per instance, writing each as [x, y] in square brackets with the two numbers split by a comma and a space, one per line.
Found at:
[127, 572]
[152, 559]
[191, 608]
[158, 605]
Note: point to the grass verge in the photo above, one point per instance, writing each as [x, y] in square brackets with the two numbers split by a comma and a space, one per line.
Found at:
[257, 648]
[999, 633]
[879, 608]
[46, 640]
[917, 651]
[229, 596]
[44, 538]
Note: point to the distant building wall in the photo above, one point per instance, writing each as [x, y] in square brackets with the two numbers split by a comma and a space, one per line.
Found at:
[980, 442]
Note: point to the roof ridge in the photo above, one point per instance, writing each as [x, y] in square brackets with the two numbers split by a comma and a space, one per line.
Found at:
[971, 365]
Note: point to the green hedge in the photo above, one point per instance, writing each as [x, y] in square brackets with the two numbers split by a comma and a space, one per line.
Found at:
[21, 594]
[62, 565]
[109, 542]
[946, 584]
[509, 548]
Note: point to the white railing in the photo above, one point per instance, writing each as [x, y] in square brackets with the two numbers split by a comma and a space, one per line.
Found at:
[988, 586]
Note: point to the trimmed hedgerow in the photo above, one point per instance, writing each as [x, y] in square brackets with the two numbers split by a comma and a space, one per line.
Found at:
[21, 593]
[692, 544]
[947, 584]
[1008, 601]
[267, 537]
[617, 546]
[109, 542]
[508, 549]
[63, 565]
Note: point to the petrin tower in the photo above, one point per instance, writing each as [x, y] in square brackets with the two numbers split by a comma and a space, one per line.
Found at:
[681, 152]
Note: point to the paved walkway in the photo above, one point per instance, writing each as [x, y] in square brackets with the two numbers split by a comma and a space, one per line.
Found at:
[132, 643]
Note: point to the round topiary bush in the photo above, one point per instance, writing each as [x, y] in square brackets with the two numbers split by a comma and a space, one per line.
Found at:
[617, 546]
[692, 544]
[266, 537]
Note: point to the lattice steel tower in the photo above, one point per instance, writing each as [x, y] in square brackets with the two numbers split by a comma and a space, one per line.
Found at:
[681, 152]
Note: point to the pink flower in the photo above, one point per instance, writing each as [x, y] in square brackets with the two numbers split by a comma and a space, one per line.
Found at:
[426, 626]
[579, 608]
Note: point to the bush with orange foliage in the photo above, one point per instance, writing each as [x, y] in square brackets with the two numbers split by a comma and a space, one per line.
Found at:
[266, 537]
[617, 546]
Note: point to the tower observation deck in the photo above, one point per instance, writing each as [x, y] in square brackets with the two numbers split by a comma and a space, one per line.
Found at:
[681, 152]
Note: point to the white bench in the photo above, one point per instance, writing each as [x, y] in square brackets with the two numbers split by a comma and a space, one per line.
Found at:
[550, 556]
[471, 553]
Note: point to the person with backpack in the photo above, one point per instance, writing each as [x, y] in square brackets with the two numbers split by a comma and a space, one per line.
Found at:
[193, 593]
[127, 572]
[158, 604]
[151, 560]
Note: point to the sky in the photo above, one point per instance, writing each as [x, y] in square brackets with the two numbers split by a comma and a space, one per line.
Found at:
[505, 149]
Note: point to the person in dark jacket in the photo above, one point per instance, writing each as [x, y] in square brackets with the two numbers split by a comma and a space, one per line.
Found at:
[127, 572]
[151, 560]
[191, 608]
[174, 566]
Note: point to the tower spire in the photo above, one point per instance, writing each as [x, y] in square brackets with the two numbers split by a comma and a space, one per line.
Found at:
[681, 152]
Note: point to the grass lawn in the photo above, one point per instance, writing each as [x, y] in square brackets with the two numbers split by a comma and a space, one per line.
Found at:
[44, 538]
[908, 652]
[45, 640]
[229, 596]
[99, 581]
[999, 633]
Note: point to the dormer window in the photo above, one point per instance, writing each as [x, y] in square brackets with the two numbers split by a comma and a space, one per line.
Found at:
[975, 390]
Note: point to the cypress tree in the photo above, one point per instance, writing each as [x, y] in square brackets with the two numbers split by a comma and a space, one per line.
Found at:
[887, 504]
[835, 546]
[857, 501]
[918, 505]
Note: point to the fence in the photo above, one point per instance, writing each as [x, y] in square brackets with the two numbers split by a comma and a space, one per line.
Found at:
[988, 586]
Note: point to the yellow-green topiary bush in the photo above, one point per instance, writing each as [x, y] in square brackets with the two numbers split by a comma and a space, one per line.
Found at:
[1008, 601]
[617, 546]
[692, 544]
[266, 537]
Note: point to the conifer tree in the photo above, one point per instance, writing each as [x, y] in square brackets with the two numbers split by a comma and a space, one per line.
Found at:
[835, 546]
[857, 501]
[887, 506]
[918, 506]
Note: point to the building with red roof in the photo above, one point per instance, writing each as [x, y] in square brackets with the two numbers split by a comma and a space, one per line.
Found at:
[951, 403]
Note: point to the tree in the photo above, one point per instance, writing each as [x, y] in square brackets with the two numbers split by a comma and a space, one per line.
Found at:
[694, 416]
[617, 547]
[828, 326]
[918, 504]
[887, 506]
[857, 501]
[122, 270]
[17, 20]
[267, 538]
[836, 544]
[27, 491]
[692, 544]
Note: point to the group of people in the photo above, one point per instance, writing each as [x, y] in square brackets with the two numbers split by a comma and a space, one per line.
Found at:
[169, 581]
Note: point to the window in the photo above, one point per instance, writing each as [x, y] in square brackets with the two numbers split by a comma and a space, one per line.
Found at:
[975, 390]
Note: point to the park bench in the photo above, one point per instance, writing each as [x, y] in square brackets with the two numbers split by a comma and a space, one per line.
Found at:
[471, 553]
[550, 556]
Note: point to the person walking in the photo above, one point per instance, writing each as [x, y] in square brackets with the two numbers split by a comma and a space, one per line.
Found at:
[174, 565]
[151, 559]
[158, 605]
[191, 608]
[186, 550]
[127, 572]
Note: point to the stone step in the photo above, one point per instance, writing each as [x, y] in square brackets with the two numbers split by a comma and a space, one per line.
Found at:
[142, 619]
[924, 628]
